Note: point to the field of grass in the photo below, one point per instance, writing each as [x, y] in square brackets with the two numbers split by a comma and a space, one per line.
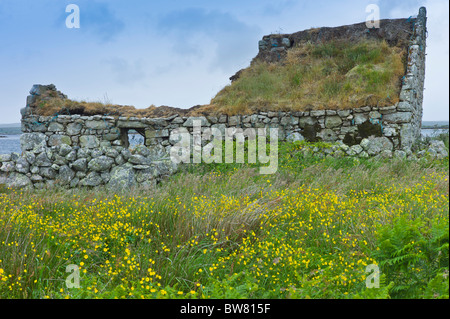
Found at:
[224, 231]
[332, 75]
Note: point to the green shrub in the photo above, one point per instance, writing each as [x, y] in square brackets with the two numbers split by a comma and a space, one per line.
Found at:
[412, 252]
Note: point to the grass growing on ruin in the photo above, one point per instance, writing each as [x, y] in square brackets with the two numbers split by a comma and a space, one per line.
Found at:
[58, 106]
[225, 231]
[332, 75]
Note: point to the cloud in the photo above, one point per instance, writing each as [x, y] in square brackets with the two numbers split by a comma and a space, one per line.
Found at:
[278, 7]
[220, 36]
[197, 20]
[97, 18]
[126, 73]
[436, 94]
[394, 9]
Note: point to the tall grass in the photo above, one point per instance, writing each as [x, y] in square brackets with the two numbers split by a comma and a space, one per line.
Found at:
[223, 230]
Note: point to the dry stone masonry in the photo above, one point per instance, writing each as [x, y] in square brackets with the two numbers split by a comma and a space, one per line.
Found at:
[75, 150]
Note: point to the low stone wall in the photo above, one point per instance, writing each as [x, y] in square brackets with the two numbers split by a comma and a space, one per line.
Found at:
[119, 168]
[349, 126]
[375, 148]
[116, 167]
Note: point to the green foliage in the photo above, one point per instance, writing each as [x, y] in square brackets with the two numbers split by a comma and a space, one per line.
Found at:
[4, 189]
[437, 288]
[236, 286]
[376, 293]
[411, 253]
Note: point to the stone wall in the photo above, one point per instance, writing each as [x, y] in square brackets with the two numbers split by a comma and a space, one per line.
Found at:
[349, 127]
[72, 166]
[76, 150]
[400, 122]
[411, 94]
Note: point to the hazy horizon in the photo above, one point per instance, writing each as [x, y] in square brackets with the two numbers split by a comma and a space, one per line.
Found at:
[15, 125]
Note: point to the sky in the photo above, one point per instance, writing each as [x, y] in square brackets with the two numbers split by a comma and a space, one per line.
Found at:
[178, 53]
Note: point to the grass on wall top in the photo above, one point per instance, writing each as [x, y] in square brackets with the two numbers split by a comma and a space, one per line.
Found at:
[333, 75]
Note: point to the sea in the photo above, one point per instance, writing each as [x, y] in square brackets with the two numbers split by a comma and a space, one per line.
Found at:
[10, 139]
[10, 135]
